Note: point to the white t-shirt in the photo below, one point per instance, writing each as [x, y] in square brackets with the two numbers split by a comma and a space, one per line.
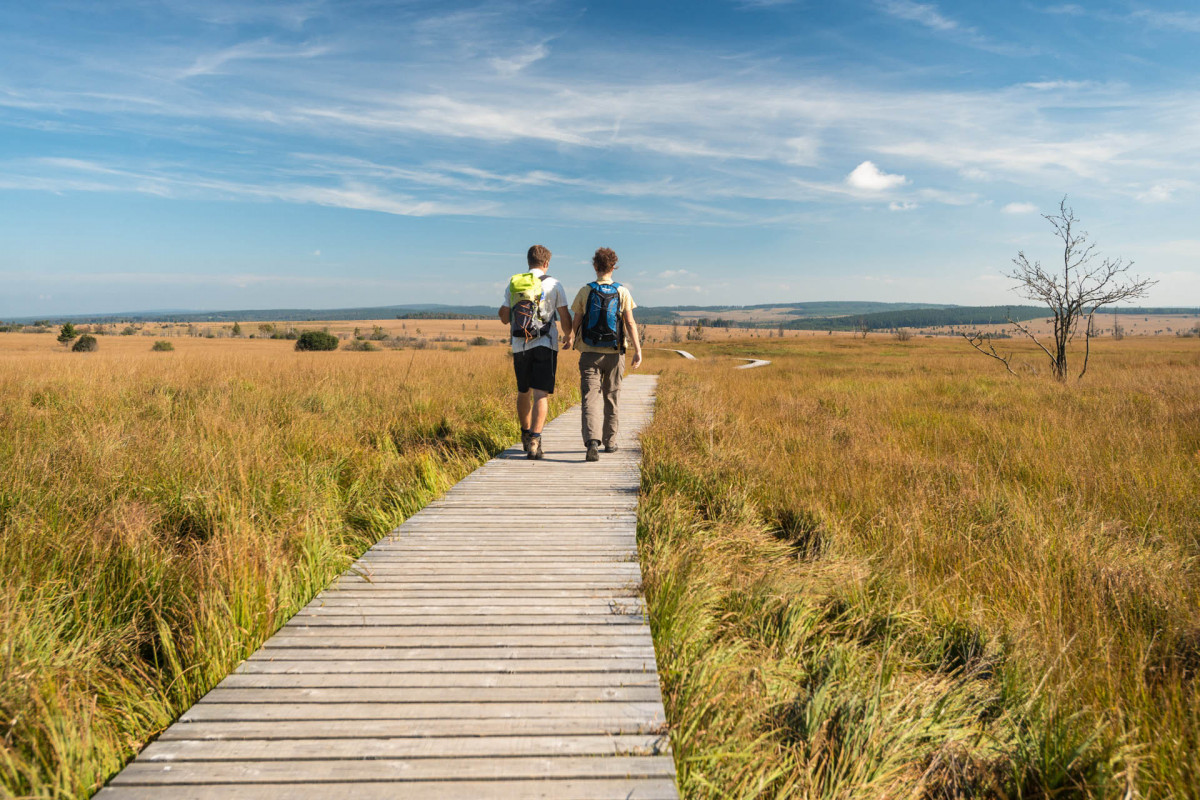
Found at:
[554, 297]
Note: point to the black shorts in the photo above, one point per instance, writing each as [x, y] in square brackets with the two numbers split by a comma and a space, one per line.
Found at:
[535, 369]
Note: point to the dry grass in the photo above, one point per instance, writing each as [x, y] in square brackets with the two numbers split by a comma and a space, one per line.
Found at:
[163, 513]
[889, 570]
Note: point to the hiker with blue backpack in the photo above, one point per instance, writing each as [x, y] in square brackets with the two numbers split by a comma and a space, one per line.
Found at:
[604, 329]
[533, 302]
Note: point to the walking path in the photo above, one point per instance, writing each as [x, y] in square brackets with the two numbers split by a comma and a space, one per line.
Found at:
[754, 362]
[492, 646]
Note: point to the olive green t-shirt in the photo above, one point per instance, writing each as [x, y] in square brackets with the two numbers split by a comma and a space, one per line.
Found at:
[579, 306]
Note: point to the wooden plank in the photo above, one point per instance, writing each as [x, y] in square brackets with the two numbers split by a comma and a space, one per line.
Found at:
[232, 712]
[346, 652]
[405, 747]
[392, 680]
[427, 694]
[338, 663]
[380, 619]
[539, 789]
[530, 724]
[146, 773]
[491, 630]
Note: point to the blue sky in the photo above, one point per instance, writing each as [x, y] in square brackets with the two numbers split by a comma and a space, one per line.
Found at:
[218, 154]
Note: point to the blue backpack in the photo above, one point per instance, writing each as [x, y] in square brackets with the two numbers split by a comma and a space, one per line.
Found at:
[602, 324]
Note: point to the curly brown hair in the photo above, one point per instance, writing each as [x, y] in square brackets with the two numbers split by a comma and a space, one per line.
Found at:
[538, 255]
[605, 260]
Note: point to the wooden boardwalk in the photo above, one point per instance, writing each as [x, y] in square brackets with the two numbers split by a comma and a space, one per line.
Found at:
[493, 646]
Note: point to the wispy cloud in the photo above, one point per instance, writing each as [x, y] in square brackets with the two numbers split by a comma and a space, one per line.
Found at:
[925, 14]
[260, 50]
[519, 61]
[931, 17]
[1019, 208]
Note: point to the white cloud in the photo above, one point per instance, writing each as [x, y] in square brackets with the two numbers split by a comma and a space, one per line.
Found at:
[1184, 21]
[902, 205]
[925, 14]
[1047, 86]
[1160, 192]
[803, 151]
[263, 49]
[514, 64]
[1020, 208]
[868, 177]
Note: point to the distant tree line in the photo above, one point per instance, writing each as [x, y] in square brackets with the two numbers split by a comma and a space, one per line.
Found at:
[921, 318]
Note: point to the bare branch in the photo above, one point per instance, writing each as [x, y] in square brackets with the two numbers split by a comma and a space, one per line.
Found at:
[977, 341]
[1087, 346]
[1029, 333]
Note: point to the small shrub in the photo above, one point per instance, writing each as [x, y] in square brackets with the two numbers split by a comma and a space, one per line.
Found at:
[361, 345]
[128, 330]
[316, 340]
[480, 341]
[162, 347]
[86, 344]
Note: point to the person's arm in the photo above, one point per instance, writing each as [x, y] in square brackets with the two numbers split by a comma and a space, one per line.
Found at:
[568, 329]
[631, 326]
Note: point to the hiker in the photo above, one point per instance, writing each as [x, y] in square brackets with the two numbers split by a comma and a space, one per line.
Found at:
[532, 302]
[604, 328]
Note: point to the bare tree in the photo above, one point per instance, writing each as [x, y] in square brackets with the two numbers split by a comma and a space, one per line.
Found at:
[1084, 284]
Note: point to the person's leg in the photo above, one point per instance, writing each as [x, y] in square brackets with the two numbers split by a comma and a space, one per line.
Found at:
[589, 391]
[523, 367]
[613, 376]
[540, 407]
[525, 409]
[541, 381]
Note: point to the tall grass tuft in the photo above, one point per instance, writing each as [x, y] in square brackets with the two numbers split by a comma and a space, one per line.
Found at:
[883, 570]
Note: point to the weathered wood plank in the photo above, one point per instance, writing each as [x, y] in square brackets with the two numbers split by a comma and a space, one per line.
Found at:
[529, 725]
[436, 680]
[503, 666]
[146, 773]
[232, 712]
[539, 789]
[405, 747]
[427, 694]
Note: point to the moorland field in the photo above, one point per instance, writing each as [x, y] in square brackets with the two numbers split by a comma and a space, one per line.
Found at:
[875, 568]
[885, 569]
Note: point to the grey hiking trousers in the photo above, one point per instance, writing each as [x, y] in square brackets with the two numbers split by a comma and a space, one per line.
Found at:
[600, 377]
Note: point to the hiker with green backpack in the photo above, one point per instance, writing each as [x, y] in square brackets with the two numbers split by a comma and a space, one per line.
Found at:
[604, 328]
[533, 302]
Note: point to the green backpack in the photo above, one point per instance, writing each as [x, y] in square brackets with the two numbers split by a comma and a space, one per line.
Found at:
[525, 295]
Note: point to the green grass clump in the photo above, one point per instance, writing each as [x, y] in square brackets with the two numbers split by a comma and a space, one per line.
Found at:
[162, 346]
[885, 572]
[85, 344]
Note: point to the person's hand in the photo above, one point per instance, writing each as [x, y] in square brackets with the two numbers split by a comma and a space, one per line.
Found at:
[570, 341]
[637, 359]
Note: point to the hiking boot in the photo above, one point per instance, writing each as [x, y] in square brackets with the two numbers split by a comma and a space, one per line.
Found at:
[535, 448]
[593, 453]
[611, 448]
[526, 439]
